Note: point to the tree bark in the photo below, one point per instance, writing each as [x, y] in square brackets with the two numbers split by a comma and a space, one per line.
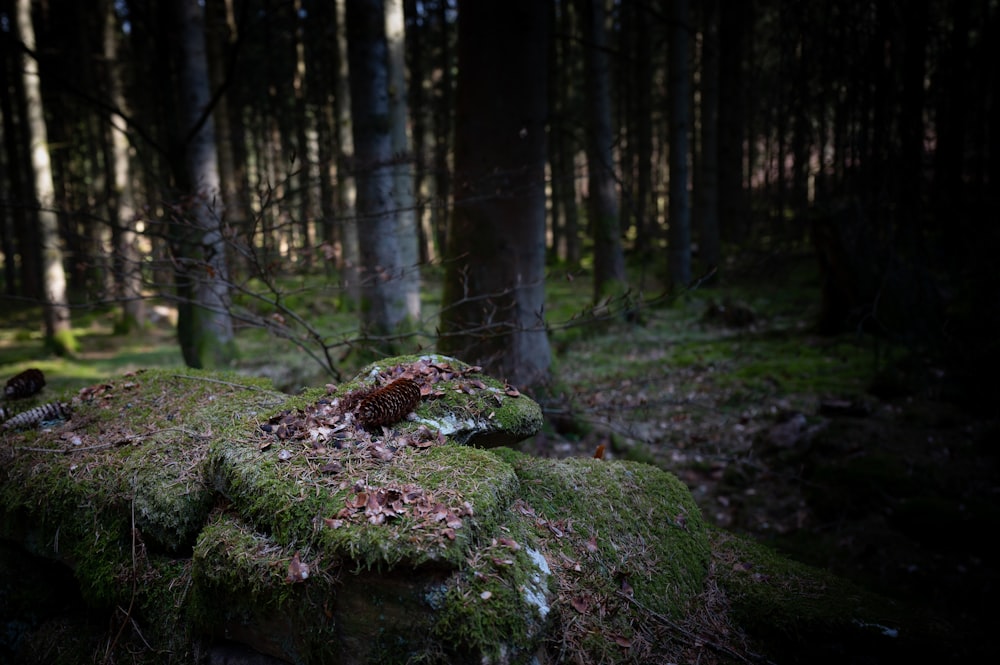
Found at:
[494, 294]
[350, 280]
[679, 232]
[707, 191]
[58, 331]
[204, 325]
[564, 104]
[605, 225]
[232, 169]
[23, 278]
[734, 20]
[443, 103]
[403, 180]
[127, 258]
[644, 205]
[383, 298]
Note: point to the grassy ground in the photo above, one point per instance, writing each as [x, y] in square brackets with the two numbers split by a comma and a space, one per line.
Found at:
[842, 452]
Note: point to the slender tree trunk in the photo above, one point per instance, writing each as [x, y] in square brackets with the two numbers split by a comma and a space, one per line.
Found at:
[58, 332]
[423, 186]
[707, 193]
[442, 104]
[556, 75]
[350, 279]
[231, 171]
[403, 180]
[383, 298]
[561, 133]
[605, 225]
[204, 327]
[494, 296]
[733, 22]
[912, 135]
[305, 138]
[644, 207]
[949, 165]
[25, 243]
[128, 260]
[679, 233]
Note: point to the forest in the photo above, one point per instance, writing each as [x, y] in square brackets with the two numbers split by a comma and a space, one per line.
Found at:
[665, 220]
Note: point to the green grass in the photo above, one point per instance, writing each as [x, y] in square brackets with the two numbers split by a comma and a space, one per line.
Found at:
[593, 346]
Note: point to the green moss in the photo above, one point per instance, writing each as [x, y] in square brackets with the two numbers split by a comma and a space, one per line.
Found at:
[500, 600]
[130, 455]
[485, 417]
[612, 525]
[240, 590]
[63, 343]
[156, 450]
[791, 607]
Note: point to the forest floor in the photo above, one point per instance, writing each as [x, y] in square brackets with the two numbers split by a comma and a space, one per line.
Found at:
[871, 459]
[878, 462]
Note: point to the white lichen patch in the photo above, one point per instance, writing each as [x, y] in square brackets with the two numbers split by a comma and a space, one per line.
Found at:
[535, 590]
[449, 423]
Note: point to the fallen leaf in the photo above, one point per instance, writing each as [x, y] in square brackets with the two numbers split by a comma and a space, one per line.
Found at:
[623, 641]
[297, 570]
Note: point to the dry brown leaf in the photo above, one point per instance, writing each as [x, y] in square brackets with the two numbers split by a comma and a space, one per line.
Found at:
[623, 641]
[298, 571]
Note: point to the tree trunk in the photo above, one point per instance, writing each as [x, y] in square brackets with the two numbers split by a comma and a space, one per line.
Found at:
[417, 50]
[494, 294]
[564, 106]
[734, 21]
[645, 207]
[383, 298]
[204, 325]
[707, 192]
[605, 226]
[307, 172]
[350, 280]
[127, 258]
[219, 29]
[58, 331]
[679, 232]
[403, 180]
[442, 120]
[22, 277]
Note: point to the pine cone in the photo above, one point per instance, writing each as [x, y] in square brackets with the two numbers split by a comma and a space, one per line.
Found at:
[389, 404]
[38, 415]
[25, 384]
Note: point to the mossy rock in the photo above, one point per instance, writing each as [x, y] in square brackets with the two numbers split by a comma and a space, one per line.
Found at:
[199, 509]
[800, 614]
[467, 406]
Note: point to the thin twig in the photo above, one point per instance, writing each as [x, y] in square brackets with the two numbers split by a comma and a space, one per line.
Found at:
[135, 438]
[226, 383]
[128, 613]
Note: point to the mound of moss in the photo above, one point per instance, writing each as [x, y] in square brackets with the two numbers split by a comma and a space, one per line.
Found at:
[192, 511]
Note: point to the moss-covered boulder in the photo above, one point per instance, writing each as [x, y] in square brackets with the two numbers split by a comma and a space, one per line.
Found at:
[376, 521]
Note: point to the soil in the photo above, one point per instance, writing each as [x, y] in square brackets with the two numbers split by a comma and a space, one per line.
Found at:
[894, 486]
